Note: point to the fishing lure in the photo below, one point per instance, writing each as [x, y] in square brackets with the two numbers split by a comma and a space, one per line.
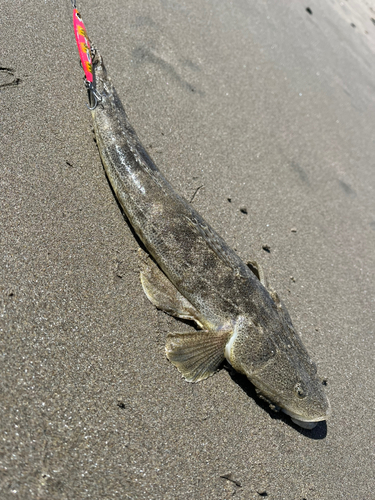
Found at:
[84, 50]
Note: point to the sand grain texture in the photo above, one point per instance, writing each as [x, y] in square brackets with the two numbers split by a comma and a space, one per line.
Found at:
[260, 103]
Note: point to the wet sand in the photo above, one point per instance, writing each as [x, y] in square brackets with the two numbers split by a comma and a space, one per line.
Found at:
[257, 104]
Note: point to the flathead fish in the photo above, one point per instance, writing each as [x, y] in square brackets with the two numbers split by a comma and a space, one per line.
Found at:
[191, 273]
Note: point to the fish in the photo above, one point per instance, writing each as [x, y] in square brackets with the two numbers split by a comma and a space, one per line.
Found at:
[189, 272]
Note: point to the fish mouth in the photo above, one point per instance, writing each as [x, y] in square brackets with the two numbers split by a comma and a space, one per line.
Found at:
[300, 420]
[306, 423]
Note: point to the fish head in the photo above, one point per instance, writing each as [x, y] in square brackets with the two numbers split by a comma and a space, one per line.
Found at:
[281, 370]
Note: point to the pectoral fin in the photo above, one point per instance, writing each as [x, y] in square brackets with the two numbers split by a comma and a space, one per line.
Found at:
[162, 293]
[197, 355]
[257, 269]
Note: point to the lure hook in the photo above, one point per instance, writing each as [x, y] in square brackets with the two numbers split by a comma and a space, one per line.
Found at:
[93, 94]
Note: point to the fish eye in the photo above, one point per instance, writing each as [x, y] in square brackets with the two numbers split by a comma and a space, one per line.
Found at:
[298, 389]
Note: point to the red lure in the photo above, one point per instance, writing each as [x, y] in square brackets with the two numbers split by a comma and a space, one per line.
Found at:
[83, 45]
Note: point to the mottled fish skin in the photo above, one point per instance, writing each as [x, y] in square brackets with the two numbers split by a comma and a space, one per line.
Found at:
[240, 318]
